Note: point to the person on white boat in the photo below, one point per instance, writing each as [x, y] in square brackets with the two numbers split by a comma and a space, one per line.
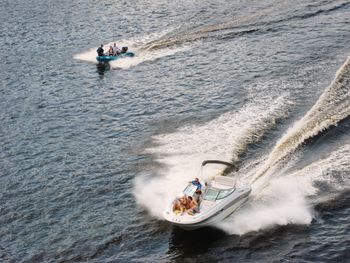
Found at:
[177, 207]
[181, 204]
[193, 206]
[197, 183]
[198, 191]
[116, 50]
[185, 204]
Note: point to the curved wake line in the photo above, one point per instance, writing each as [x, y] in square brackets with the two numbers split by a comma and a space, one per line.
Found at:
[182, 152]
[332, 107]
[210, 31]
[241, 25]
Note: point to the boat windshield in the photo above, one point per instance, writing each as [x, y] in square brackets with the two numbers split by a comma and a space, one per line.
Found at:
[213, 194]
[190, 190]
[224, 193]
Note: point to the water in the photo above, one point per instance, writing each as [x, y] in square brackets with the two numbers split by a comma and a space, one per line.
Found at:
[91, 154]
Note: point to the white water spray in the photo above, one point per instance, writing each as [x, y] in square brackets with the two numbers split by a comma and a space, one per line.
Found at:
[286, 199]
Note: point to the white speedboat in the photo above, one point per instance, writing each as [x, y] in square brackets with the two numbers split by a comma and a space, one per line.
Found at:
[220, 198]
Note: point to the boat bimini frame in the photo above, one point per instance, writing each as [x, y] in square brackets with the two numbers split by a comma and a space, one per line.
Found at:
[220, 198]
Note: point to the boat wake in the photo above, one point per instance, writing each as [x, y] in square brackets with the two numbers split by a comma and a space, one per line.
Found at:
[252, 21]
[157, 45]
[282, 197]
[281, 194]
[135, 45]
[182, 152]
[332, 107]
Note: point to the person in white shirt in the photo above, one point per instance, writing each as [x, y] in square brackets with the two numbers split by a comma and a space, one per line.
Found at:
[116, 50]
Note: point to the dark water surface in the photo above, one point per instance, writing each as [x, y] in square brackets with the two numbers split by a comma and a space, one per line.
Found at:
[84, 147]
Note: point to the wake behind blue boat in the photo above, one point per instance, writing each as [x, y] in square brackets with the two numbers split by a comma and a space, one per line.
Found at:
[114, 53]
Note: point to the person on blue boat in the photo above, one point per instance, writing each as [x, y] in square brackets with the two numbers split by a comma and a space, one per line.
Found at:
[100, 51]
[110, 51]
[116, 50]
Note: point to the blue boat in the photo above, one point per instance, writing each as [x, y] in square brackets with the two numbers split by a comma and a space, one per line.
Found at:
[112, 58]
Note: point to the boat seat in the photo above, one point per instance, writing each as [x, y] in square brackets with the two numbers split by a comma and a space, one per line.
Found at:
[225, 180]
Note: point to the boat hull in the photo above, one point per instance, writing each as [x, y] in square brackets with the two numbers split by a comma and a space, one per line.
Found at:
[113, 58]
[208, 220]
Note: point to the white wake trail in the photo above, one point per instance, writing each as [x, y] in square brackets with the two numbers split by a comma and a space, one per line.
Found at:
[280, 197]
[332, 107]
[182, 152]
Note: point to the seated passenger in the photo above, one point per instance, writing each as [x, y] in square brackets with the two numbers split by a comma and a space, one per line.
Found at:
[193, 206]
[110, 51]
[177, 208]
[100, 51]
[181, 204]
[116, 50]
